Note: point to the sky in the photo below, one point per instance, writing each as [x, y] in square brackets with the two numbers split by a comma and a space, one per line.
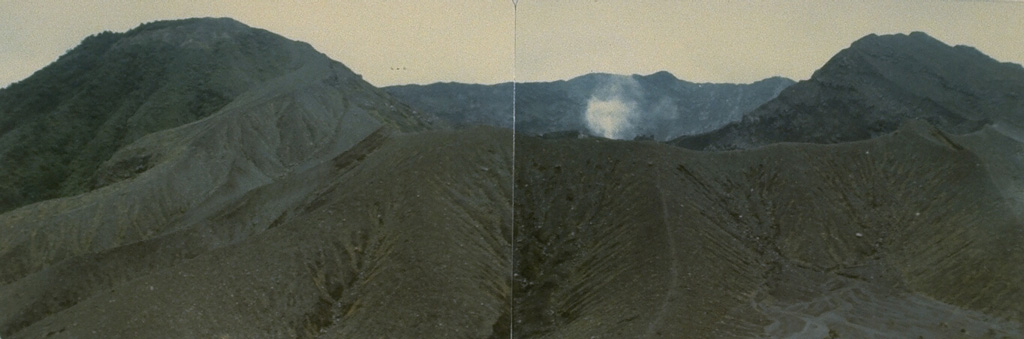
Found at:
[394, 42]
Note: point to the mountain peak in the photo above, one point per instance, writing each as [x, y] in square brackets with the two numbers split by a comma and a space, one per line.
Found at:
[873, 51]
[204, 22]
[917, 55]
[195, 33]
[661, 77]
[115, 88]
[867, 89]
[888, 39]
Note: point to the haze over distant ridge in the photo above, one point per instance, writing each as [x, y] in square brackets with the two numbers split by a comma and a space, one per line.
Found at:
[657, 106]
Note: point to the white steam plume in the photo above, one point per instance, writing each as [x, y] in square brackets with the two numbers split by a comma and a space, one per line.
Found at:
[611, 110]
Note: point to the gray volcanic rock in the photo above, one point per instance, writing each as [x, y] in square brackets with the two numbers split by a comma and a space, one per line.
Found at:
[395, 237]
[59, 125]
[659, 105]
[868, 89]
[900, 235]
[164, 181]
[904, 235]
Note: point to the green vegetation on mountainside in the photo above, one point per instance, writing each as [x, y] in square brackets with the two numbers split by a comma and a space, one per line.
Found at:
[60, 124]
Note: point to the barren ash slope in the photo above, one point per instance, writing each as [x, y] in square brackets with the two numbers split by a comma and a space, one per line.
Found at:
[898, 215]
[296, 204]
[904, 235]
[311, 204]
[879, 83]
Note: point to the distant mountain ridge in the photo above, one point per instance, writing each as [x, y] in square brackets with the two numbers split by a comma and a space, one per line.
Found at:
[658, 105]
[868, 89]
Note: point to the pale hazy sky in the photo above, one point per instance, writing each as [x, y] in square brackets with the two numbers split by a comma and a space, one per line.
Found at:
[473, 40]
